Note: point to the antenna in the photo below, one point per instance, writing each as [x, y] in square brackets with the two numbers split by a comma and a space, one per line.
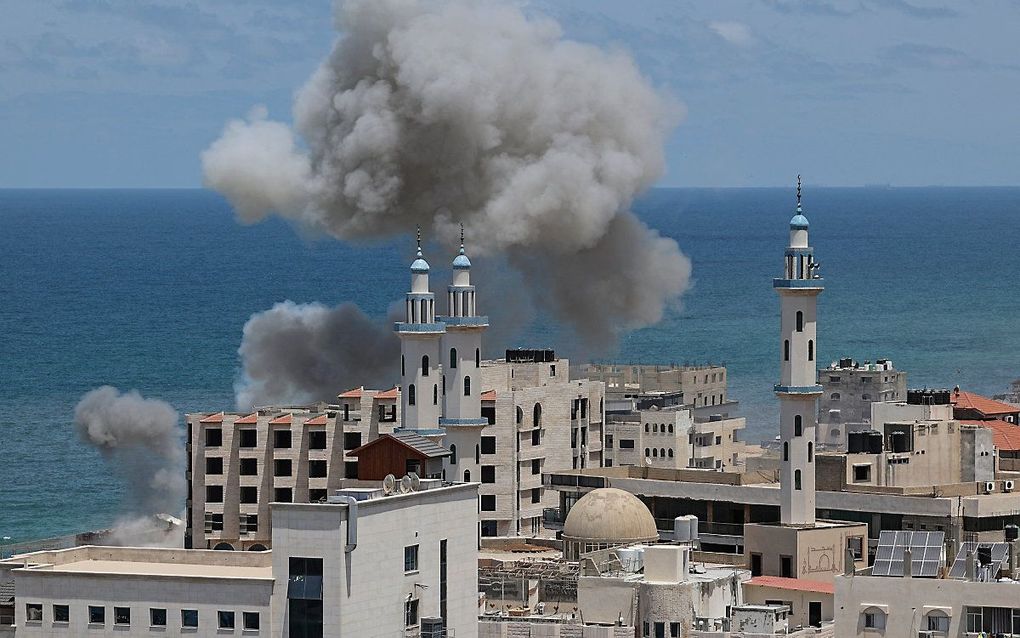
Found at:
[389, 484]
[405, 485]
[415, 481]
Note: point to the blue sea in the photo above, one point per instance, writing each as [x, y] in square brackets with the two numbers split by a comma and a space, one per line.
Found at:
[149, 289]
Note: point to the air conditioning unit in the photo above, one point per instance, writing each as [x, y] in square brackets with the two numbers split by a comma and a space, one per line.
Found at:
[989, 487]
[1008, 486]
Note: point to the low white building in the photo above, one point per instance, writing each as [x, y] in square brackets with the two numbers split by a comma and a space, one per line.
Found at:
[368, 564]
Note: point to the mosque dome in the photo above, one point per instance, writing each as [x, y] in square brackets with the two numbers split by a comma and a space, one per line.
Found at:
[419, 266]
[799, 222]
[461, 261]
[607, 517]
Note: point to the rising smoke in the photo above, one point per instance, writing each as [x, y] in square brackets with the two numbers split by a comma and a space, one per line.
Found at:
[141, 440]
[297, 353]
[439, 113]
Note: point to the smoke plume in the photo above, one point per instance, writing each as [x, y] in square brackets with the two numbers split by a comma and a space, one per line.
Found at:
[297, 353]
[439, 113]
[141, 439]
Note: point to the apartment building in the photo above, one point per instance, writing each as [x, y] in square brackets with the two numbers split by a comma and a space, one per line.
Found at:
[673, 438]
[848, 390]
[363, 564]
[700, 386]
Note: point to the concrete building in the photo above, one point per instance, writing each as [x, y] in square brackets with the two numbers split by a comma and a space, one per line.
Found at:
[366, 565]
[807, 603]
[673, 438]
[848, 390]
[698, 386]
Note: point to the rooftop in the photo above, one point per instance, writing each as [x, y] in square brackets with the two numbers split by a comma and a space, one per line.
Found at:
[1006, 435]
[970, 401]
[148, 562]
[792, 584]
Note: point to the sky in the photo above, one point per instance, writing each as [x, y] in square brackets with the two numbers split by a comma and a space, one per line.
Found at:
[127, 93]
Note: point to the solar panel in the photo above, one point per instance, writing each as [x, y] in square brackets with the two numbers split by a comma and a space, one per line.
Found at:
[926, 553]
[999, 553]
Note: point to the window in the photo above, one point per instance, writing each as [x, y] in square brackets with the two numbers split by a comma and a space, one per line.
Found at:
[214, 465]
[670, 451]
[316, 469]
[61, 613]
[786, 450]
[536, 495]
[435, 394]
[796, 479]
[453, 358]
[403, 369]
[225, 619]
[33, 612]
[317, 440]
[189, 618]
[248, 467]
[305, 578]
[626, 444]
[249, 438]
[488, 474]
[648, 427]
[874, 618]
[662, 452]
[786, 350]
[536, 416]
[865, 397]
[674, 630]
[284, 467]
[800, 321]
[317, 495]
[157, 617]
[453, 454]
[798, 426]
[938, 621]
[488, 445]
[352, 440]
[351, 469]
[213, 437]
[467, 386]
[786, 566]
[214, 493]
[249, 494]
[862, 473]
[810, 350]
[834, 397]
[536, 437]
[411, 613]
[281, 439]
[467, 476]
[282, 495]
[718, 440]
[519, 415]
[249, 523]
[410, 395]
[411, 558]
[648, 452]
[425, 366]
[213, 522]
[609, 441]
[489, 528]
[97, 615]
[478, 453]
[536, 466]
[250, 620]
[810, 451]
[478, 358]
[856, 545]
[670, 427]
[488, 502]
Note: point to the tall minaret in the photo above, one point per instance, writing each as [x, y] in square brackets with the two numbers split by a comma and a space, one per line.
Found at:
[462, 348]
[798, 388]
[420, 335]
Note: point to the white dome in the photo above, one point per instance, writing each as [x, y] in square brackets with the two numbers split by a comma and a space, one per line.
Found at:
[610, 515]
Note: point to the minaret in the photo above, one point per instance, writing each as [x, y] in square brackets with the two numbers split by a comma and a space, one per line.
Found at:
[462, 348]
[798, 388]
[420, 335]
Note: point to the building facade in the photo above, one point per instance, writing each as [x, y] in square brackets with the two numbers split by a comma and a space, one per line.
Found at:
[848, 390]
[673, 438]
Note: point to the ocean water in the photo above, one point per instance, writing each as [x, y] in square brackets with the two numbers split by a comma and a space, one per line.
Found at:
[150, 289]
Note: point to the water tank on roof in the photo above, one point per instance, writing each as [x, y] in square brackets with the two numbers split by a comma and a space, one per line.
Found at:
[1012, 532]
[875, 442]
[856, 442]
[682, 529]
[898, 442]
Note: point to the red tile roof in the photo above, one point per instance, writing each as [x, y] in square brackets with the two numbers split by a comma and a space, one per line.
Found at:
[392, 393]
[353, 393]
[213, 418]
[489, 395]
[251, 419]
[1005, 435]
[984, 405]
[319, 420]
[795, 584]
[283, 419]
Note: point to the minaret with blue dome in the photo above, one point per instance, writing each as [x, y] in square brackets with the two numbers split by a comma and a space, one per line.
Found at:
[420, 366]
[798, 388]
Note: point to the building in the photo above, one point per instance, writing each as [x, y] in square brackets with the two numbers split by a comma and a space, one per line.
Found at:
[673, 438]
[364, 564]
[848, 390]
[971, 406]
[604, 519]
[503, 423]
[697, 386]
[805, 602]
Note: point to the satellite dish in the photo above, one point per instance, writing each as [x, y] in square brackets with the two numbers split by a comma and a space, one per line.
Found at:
[415, 481]
[405, 485]
[389, 484]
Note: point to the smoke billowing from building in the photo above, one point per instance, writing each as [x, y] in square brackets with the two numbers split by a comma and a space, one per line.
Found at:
[298, 353]
[141, 439]
[437, 113]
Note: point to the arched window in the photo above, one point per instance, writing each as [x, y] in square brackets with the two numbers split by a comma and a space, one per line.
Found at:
[520, 415]
[648, 452]
[478, 454]
[467, 386]
[786, 350]
[435, 394]
[655, 453]
[453, 454]
[810, 451]
[835, 396]
[648, 428]
[670, 452]
[670, 428]
[536, 416]
[402, 371]
[478, 358]
[874, 618]
[453, 357]
[410, 394]
[937, 621]
[786, 451]
[602, 406]
[424, 311]
[798, 426]
[467, 476]
[425, 366]
[655, 427]
[800, 321]
[811, 350]
[662, 452]
[796, 479]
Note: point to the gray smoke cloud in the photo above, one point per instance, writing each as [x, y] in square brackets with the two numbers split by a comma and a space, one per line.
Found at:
[142, 440]
[299, 353]
[439, 113]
